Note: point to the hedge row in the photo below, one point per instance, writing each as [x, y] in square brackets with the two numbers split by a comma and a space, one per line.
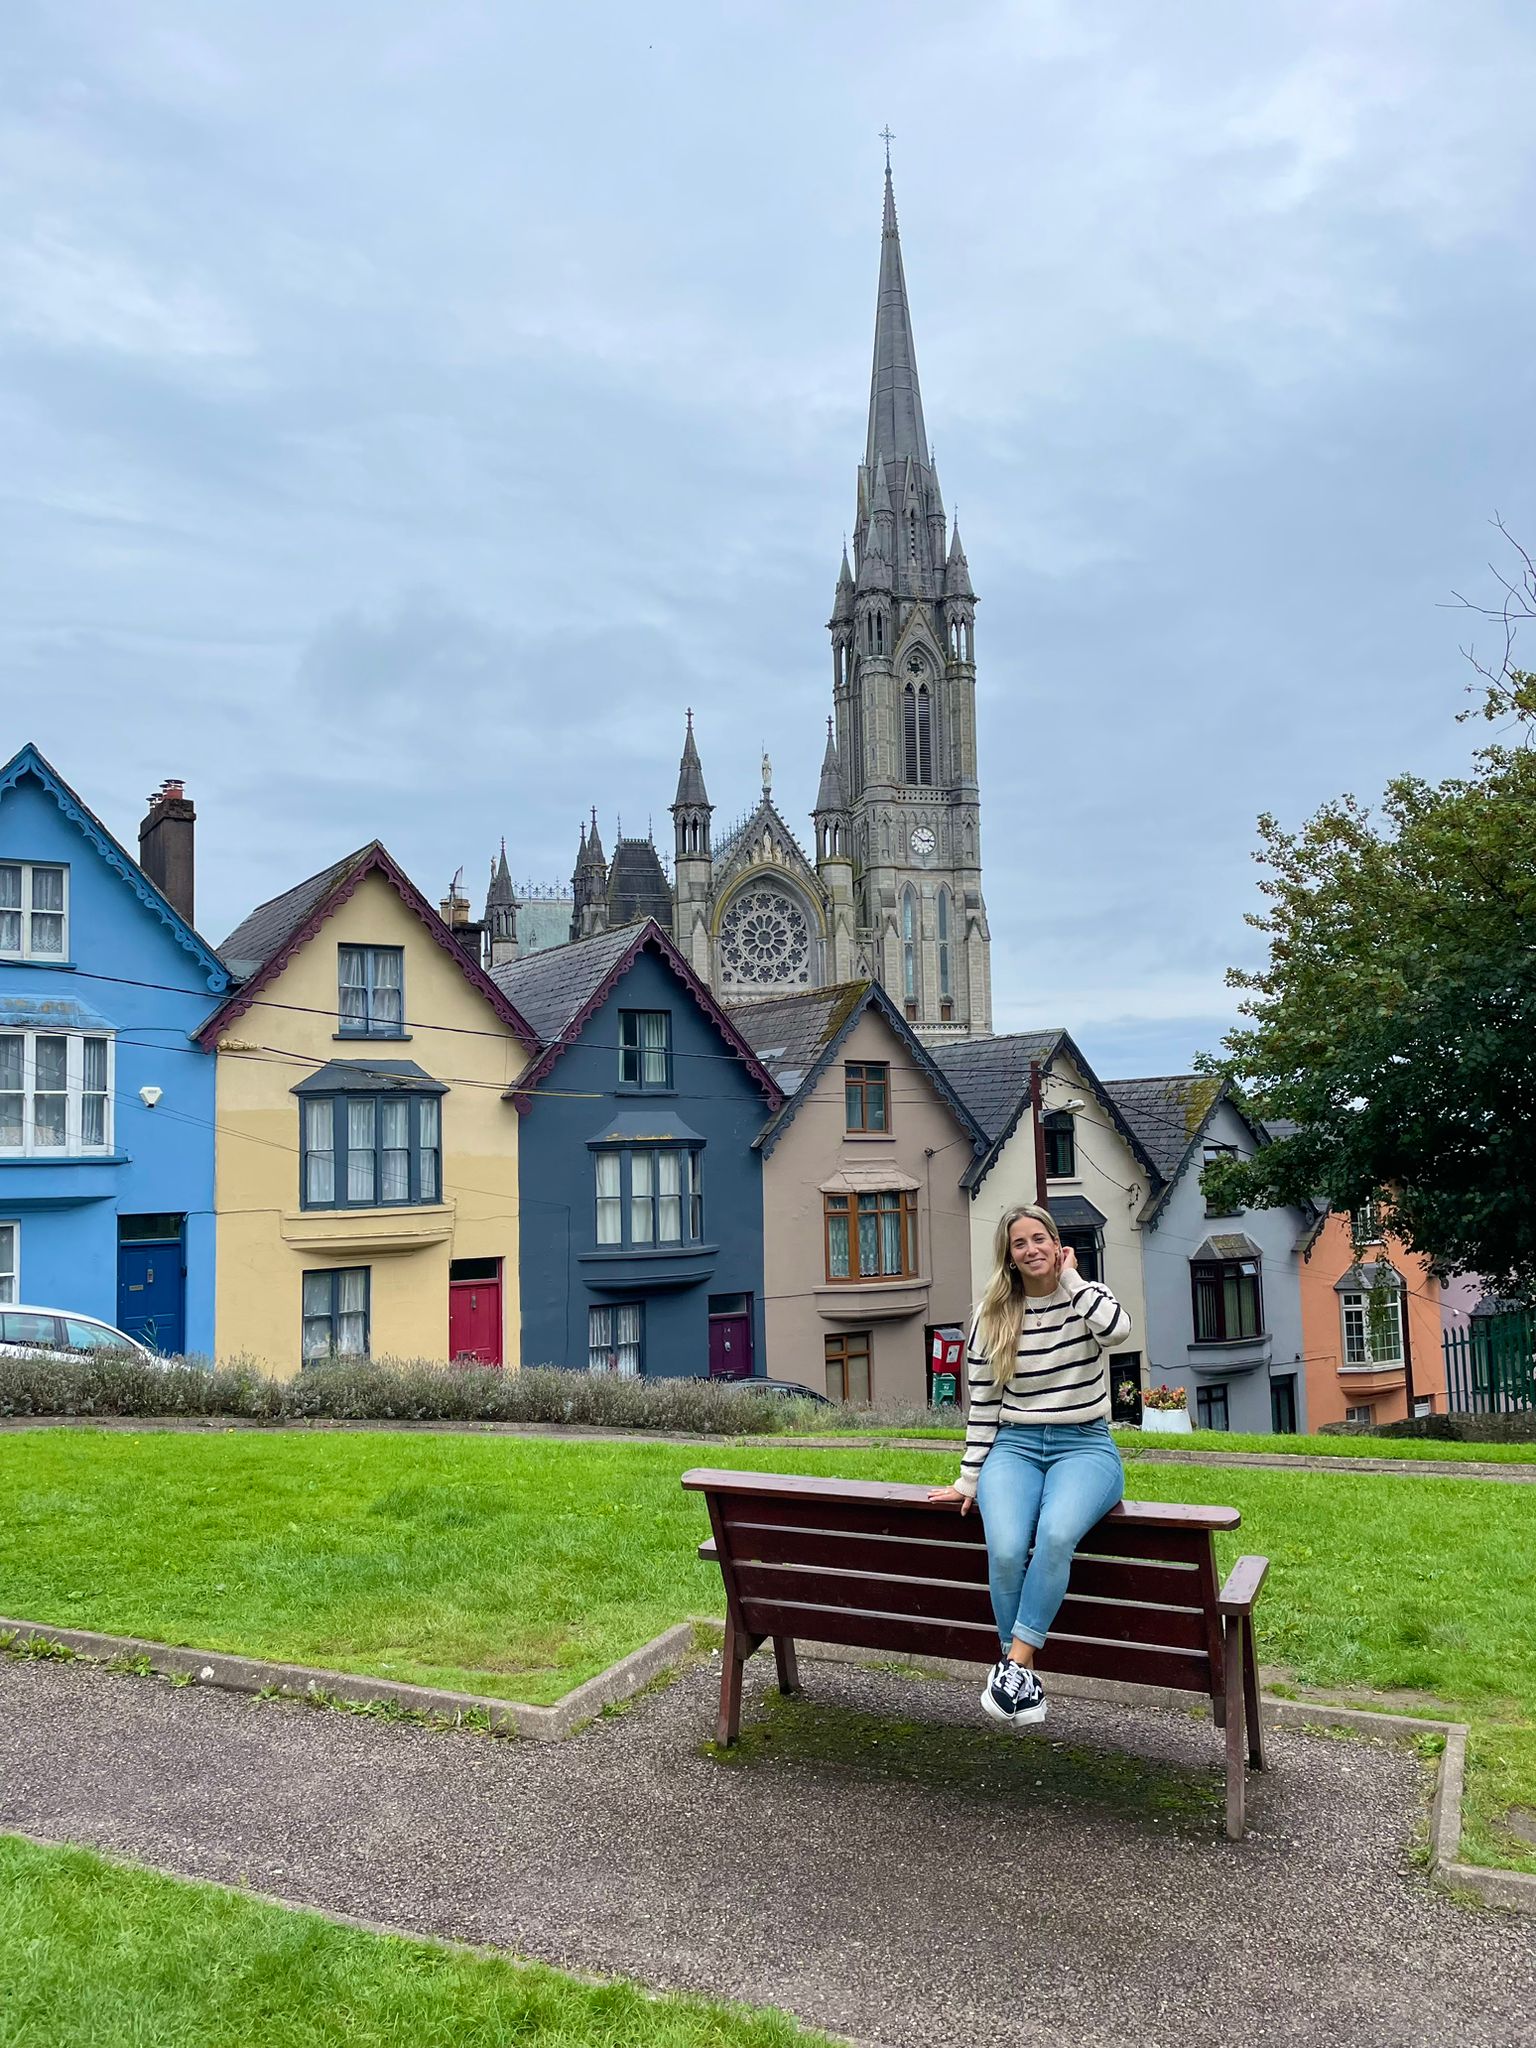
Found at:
[385, 1390]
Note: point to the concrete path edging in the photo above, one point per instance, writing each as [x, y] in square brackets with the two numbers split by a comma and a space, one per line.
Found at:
[220, 1668]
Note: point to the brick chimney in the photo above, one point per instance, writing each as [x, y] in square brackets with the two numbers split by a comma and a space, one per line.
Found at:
[165, 845]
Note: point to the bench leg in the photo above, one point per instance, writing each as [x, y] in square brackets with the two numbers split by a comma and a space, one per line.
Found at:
[1251, 1697]
[787, 1662]
[732, 1660]
[1237, 1781]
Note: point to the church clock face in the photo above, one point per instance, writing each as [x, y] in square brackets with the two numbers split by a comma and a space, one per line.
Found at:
[923, 842]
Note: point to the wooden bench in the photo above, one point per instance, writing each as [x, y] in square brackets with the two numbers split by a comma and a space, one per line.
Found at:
[882, 1567]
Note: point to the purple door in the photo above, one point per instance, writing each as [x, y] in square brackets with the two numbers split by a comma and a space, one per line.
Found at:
[730, 1347]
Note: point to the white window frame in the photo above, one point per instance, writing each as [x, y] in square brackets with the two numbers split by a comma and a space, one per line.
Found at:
[73, 1146]
[10, 1262]
[26, 912]
[1360, 1353]
[1363, 1412]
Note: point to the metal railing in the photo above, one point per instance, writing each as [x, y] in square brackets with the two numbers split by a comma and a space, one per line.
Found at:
[1490, 1367]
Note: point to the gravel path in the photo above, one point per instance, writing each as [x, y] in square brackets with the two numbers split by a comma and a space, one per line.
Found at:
[939, 1885]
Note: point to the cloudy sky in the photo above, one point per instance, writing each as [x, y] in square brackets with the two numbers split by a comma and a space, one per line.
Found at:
[405, 412]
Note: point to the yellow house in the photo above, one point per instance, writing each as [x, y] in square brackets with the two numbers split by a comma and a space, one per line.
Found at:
[366, 1181]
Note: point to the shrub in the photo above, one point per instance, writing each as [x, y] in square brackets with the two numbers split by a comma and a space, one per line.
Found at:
[112, 1384]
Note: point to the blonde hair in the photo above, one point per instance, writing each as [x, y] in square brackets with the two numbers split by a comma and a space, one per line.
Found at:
[1000, 1316]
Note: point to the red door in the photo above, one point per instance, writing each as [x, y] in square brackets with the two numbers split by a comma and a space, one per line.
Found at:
[730, 1347]
[474, 1320]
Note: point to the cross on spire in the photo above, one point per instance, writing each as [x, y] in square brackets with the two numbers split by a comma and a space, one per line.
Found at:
[887, 136]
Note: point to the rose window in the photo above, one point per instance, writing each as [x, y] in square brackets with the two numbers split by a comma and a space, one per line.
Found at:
[765, 938]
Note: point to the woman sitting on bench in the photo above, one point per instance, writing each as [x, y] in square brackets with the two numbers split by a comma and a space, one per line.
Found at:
[1039, 1460]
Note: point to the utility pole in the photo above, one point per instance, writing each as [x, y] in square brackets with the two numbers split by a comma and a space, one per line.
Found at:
[1037, 1111]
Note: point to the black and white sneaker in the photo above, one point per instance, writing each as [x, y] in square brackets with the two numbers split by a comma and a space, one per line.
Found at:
[1014, 1694]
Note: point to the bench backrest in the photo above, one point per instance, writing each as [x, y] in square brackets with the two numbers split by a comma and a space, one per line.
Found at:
[881, 1567]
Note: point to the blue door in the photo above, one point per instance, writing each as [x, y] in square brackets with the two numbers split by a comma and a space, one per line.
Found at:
[150, 1291]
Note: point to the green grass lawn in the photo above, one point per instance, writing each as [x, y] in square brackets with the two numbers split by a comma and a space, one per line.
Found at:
[518, 1567]
[95, 1955]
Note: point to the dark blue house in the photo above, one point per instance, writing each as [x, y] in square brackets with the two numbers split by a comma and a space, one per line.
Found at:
[106, 1100]
[641, 1196]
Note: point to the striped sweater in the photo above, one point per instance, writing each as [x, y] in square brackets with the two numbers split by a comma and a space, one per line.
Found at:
[1061, 1375]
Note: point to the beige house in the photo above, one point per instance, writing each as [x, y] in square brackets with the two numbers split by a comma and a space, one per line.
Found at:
[1082, 1156]
[866, 1225]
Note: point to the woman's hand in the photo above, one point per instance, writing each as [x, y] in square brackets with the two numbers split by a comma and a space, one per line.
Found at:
[952, 1493]
[1066, 1260]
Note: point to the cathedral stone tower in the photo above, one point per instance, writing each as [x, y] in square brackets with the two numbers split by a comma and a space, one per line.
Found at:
[904, 694]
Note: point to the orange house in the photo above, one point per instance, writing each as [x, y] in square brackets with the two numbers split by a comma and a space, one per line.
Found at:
[1370, 1323]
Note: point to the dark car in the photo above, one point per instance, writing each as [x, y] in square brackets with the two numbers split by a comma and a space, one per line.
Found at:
[787, 1390]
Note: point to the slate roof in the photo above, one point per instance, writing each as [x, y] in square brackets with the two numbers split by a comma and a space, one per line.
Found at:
[271, 925]
[638, 885]
[991, 1075]
[796, 1037]
[557, 990]
[552, 987]
[790, 1033]
[275, 931]
[1168, 1113]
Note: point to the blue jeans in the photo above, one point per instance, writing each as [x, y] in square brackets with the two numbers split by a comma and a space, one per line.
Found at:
[1044, 1484]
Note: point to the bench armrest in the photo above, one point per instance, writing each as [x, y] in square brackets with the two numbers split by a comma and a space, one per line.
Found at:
[708, 1551]
[1243, 1583]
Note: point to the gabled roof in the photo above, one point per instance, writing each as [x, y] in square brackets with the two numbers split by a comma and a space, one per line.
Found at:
[275, 931]
[29, 761]
[1171, 1114]
[993, 1076]
[765, 816]
[797, 1038]
[561, 988]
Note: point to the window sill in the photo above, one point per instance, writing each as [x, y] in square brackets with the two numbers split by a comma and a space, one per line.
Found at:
[1229, 1354]
[869, 1137]
[45, 962]
[371, 1037]
[9, 1159]
[865, 1301]
[633, 1088]
[615, 1269]
[406, 1229]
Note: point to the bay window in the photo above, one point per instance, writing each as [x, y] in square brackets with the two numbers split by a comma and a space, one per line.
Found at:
[871, 1236]
[1373, 1329]
[649, 1196]
[366, 1151]
[1228, 1301]
[55, 1094]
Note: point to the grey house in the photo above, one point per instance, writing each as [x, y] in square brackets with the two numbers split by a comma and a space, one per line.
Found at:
[1222, 1291]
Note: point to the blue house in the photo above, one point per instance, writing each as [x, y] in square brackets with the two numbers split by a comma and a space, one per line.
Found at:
[641, 1196]
[106, 1102]
[1223, 1288]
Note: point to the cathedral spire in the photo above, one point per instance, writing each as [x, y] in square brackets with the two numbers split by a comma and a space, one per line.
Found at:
[690, 773]
[895, 403]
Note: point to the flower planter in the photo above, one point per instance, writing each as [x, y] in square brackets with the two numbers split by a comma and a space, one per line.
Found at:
[1173, 1419]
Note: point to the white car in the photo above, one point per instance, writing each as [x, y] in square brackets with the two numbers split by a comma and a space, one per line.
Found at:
[27, 1332]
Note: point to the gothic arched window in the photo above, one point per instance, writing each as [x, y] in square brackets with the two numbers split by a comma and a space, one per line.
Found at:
[945, 991]
[909, 944]
[765, 940]
[917, 722]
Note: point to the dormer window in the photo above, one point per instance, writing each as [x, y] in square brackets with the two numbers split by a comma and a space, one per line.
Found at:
[34, 916]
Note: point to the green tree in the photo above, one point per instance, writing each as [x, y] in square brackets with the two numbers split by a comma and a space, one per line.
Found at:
[1395, 1021]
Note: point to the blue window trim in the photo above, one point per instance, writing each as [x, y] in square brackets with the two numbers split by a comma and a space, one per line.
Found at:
[692, 1203]
[369, 1028]
[333, 1275]
[339, 1149]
